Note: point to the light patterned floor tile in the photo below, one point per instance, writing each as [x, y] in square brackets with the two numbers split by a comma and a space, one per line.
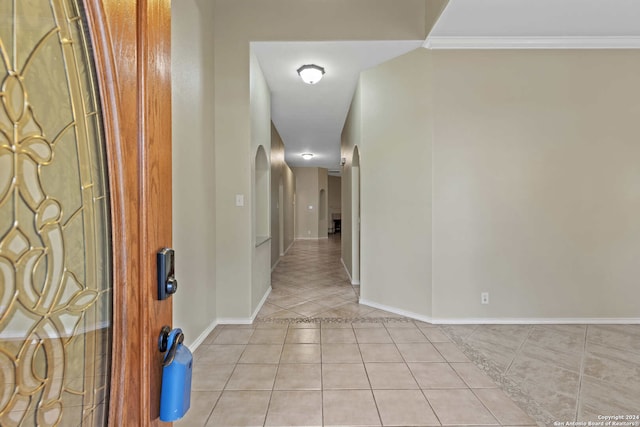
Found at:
[261, 353]
[254, 406]
[295, 408]
[394, 376]
[299, 377]
[336, 376]
[458, 407]
[303, 336]
[350, 408]
[380, 353]
[202, 403]
[341, 353]
[301, 353]
[502, 407]
[252, 377]
[436, 375]
[404, 408]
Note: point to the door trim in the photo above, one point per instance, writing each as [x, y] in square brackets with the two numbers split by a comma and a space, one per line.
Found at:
[132, 43]
[122, 165]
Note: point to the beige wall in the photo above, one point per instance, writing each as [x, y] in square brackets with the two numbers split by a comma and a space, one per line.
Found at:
[530, 161]
[236, 23]
[536, 187]
[281, 175]
[395, 175]
[194, 205]
[350, 139]
[260, 112]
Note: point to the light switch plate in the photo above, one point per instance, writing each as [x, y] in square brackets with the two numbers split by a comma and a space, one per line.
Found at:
[239, 199]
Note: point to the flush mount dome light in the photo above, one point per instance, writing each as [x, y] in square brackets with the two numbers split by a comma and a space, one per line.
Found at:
[307, 156]
[311, 73]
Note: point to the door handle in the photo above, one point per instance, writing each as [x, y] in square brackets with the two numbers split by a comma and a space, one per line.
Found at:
[167, 283]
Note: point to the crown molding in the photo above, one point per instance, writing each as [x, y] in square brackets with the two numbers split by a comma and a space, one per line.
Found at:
[532, 43]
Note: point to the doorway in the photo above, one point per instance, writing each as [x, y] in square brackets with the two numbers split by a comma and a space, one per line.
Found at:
[323, 227]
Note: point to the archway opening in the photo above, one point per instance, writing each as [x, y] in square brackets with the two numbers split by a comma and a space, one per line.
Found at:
[261, 203]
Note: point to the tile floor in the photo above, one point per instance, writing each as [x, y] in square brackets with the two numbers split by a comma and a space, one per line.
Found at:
[314, 356]
[362, 373]
[560, 372]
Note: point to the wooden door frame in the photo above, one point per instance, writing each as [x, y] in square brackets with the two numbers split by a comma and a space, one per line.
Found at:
[132, 44]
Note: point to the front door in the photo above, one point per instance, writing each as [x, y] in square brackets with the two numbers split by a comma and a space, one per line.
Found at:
[85, 204]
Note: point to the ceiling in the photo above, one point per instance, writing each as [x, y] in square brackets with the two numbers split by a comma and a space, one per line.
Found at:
[310, 118]
[539, 18]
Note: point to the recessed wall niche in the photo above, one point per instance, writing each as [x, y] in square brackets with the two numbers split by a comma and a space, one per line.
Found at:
[261, 205]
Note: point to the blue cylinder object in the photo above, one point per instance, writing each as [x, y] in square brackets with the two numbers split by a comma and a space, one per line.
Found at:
[175, 396]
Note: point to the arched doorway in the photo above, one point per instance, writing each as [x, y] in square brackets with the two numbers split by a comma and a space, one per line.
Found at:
[261, 205]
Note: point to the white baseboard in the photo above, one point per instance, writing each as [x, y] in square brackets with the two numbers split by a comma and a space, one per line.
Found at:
[234, 321]
[395, 310]
[506, 320]
[346, 269]
[312, 238]
[282, 254]
[538, 321]
[353, 282]
[287, 250]
[195, 344]
[260, 304]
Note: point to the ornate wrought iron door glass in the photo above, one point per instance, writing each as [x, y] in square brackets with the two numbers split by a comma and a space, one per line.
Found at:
[55, 268]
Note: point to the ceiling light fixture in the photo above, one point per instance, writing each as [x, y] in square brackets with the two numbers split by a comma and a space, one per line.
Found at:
[307, 156]
[311, 73]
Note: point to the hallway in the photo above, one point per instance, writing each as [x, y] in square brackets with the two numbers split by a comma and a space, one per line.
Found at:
[310, 284]
[315, 356]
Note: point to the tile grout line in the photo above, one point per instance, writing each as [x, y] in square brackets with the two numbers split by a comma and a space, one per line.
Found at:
[366, 371]
[519, 350]
[582, 365]
[212, 409]
[235, 365]
[469, 387]
[321, 375]
[413, 375]
[473, 391]
[273, 386]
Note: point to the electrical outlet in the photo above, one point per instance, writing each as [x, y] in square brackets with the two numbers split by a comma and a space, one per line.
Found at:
[484, 298]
